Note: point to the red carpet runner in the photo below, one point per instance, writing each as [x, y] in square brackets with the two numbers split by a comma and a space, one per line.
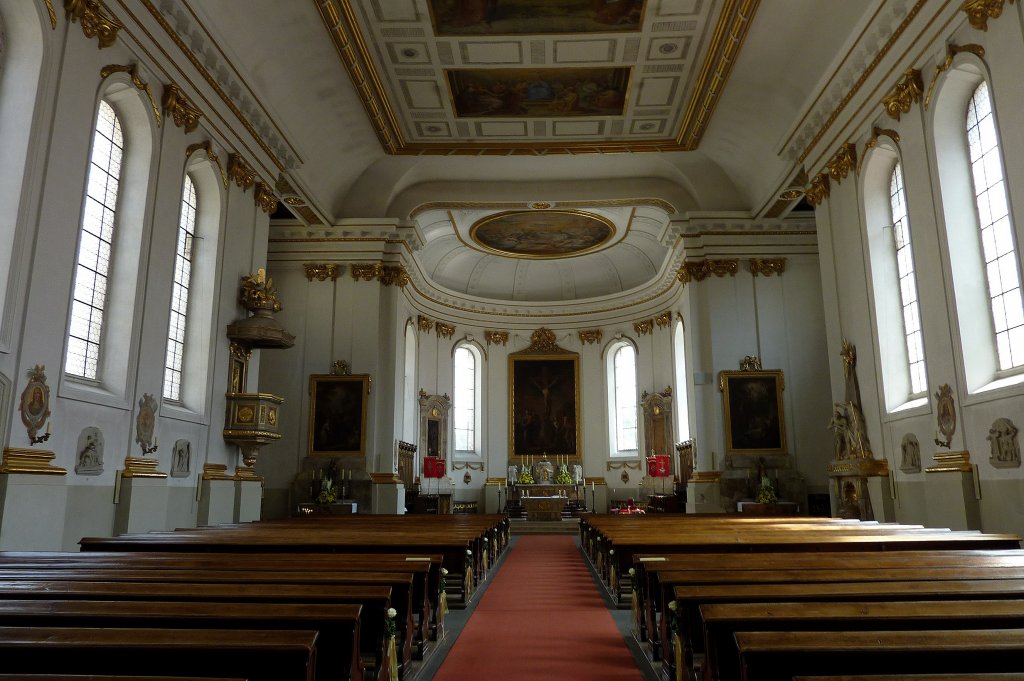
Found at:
[540, 618]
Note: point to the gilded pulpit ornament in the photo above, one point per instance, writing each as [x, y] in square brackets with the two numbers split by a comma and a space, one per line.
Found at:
[643, 327]
[35, 405]
[265, 198]
[258, 295]
[589, 336]
[818, 190]
[394, 275]
[496, 337]
[257, 292]
[766, 266]
[133, 71]
[980, 11]
[1005, 448]
[908, 90]
[423, 324]
[844, 161]
[241, 172]
[321, 272]
[184, 114]
[95, 24]
[444, 330]
[145, 424]
[945, 415]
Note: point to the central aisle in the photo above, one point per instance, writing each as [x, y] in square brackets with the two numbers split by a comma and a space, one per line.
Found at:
[540, 618]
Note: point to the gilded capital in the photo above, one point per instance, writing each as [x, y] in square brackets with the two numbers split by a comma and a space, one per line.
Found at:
[818, 190]
[241, 172]
[663, 319]
[366, 272]
[766, 266]
[265, 198]
[588, 336]
[444, 330]
[843, 162]
[184, 114]
[980, 11]
[423, 324]
[394, 275]
[496, 337]
[902, 96]
[95, 24]
[322, 272]
[643, 327]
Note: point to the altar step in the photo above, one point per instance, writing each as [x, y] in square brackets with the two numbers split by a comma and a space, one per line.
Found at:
[565, 526]
[572, 510]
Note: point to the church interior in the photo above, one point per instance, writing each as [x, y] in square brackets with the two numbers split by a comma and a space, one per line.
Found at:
[511, 261]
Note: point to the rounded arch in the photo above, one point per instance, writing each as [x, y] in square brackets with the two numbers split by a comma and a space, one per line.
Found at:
[410, 412]
[468, 391]
[620, 362]
[679, 374]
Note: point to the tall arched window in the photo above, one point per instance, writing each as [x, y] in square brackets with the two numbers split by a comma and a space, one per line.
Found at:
[681, 401]
[466, 393]
[1002, 272]
[622, 399]
[410, 412]
[95, 246]
[912, 332]
[180, 292]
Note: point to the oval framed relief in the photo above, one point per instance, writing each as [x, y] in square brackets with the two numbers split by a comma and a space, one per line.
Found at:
[542, 234]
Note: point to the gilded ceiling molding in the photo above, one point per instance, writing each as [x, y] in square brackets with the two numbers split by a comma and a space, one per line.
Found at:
[265, 199]
[590, 336]
[444, 330]
[95, 24]
[699, 270]
[322, 272]
[184, 114]
[241, 172]
[496, 337]
[52, 12]
[951, 52]
[902, 96]
[394, 275]
[664, 319]
[133, 71]
[845, 160]
[366, 272]
[766, 266]
[307, 214]
[818, 190]
[207, 146]
[423, 324]
[980, 11]
[522, 205]
[643, 327]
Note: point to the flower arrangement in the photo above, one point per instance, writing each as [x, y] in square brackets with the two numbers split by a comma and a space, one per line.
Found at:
[323, 490]
[525, 476]
[766, 493]
[390, 624]
[328, 493]
[562, 477]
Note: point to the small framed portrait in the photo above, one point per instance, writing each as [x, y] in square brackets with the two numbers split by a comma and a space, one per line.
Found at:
[337, 414]
[754, 416]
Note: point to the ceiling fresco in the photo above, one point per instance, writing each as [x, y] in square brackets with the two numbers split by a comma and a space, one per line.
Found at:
[542, 234]
[525, 17]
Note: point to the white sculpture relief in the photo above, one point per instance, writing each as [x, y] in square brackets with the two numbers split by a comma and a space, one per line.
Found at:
[911, 460]
[1005, 448]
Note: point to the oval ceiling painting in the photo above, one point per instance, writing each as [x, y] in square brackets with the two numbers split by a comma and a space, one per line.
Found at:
[542, 233]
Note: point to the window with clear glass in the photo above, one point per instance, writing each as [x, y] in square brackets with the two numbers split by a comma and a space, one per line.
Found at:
[997, 240]
[681, 405]
[179, 292]
[464, 399]
[907, 282]
[96, 238]
[624, 364]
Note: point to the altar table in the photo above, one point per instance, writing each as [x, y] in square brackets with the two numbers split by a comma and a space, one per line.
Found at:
[544, 508]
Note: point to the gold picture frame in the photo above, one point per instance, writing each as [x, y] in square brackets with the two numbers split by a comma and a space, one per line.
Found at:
[337, 414]
[755, 420]
[544, 405]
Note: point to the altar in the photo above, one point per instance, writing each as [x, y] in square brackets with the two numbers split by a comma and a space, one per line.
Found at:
[545, 489]
[544, 508]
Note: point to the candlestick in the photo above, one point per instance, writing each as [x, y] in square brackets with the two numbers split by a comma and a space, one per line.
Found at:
[47, 427]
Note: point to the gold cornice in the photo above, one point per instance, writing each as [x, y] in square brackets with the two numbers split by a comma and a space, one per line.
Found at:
[29, 462]
[241, 172]
[216, 471]
[818, 190]
[424, 324]
[264, 197]
[902, 96]
[321, 272]
[184, 114]
[588, 336]
[766, 266]
[366, 272]
[496, 337]
[643, 327]
[869, 468]
[951, 52]
[133, 71]
[95, 24]
[444, 330]
[980, 11]
[207, 146]
[141, 467]
[394, 275]
[699, 270]
[859, 83]
[727, 39]
[844, 160]
[52, 12]
[951, 462]
[664, 319]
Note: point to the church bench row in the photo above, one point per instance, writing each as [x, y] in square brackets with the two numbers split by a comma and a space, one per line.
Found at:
[910, 677]
[267, 655]
[104, 677]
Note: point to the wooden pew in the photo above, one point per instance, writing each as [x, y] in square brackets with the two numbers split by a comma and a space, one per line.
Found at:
[337, 626]
[723, 621]
[267, 655]
[915, 677]
[779, 656]
[91, 677]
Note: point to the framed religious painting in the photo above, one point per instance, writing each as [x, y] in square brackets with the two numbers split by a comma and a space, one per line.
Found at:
[544, 405]
[754, 416]
[337, 414]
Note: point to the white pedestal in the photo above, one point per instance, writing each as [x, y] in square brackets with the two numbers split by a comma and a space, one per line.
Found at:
[248, 501]
[951, 500]
[32, 511]
[388, 498]
[216, 502]
[141, 506]
[703, 497]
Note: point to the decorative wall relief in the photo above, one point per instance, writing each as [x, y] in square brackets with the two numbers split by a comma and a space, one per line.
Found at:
[1002, 437]
[181, 459]
[95, 24]
[910, 462]
[496, 337]
[145, 424]
[945, 415]
[89, 456]
[35, 405]
[902, 96]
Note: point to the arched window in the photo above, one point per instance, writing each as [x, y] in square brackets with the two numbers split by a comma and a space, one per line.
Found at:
[95, 247]
[180, 292]
[1002, 272]
[411, 412]
[681, 401]
[466, 393]
[622, 399]
[912, 332]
